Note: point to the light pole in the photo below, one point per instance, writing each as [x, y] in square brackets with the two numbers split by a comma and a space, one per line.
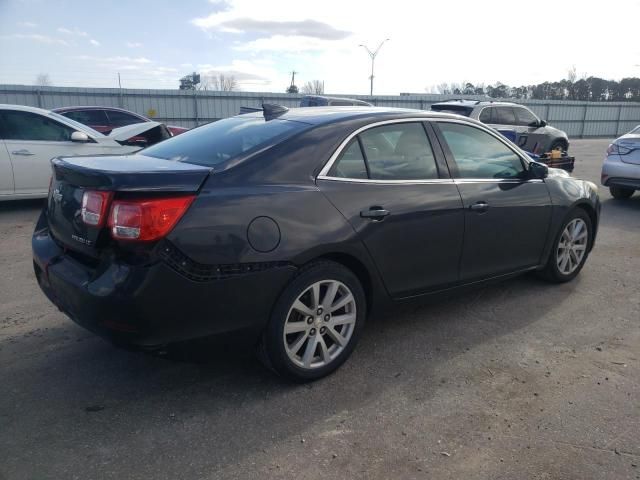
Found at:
[373, 59]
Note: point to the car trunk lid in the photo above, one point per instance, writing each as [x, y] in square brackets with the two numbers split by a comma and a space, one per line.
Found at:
[128, 176]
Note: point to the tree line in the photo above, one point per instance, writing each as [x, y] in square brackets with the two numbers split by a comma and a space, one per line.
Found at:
[591, 89]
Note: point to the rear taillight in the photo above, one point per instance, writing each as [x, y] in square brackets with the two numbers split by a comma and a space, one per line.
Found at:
[95, 205]
[615, 149]
[146, 220]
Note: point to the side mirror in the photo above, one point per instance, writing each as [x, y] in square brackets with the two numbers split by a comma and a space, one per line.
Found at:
[79, 137]
[542, 123]
[538, 170]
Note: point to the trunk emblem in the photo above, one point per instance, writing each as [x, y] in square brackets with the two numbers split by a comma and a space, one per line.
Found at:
[57, 195]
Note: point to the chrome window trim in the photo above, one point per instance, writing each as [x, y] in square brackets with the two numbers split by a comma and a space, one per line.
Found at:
[432, 181]
[386, 182]
[323, 175]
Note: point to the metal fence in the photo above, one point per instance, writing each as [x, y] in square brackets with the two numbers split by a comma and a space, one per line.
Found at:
[190, 108]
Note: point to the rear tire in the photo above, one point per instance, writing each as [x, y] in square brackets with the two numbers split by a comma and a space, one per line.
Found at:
[621, 193]
[323, 310]
[570, 248]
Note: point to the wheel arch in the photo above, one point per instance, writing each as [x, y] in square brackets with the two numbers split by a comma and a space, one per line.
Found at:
[593, 216]
[358, 268]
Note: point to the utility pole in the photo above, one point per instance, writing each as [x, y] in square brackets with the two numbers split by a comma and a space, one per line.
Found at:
[120, 102]
[373, 59]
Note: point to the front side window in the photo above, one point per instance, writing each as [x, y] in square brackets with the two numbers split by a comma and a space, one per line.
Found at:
[525, 118]
[504, 116]
[400, 151]
[18, 125]
[217, 142]
[480, 155]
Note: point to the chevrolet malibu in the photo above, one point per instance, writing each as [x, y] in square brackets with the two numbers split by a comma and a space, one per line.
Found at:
[289, 227]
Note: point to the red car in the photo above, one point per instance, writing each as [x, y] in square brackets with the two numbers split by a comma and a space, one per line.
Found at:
[105, 119]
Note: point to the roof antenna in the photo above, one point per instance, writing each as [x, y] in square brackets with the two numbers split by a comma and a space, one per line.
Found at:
[273, 110]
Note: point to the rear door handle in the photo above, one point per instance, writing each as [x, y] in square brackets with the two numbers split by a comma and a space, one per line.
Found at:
[374, 213]
[23, 152]
[479, 207]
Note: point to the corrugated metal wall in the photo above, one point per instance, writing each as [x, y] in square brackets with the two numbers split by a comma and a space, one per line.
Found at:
[192, 108]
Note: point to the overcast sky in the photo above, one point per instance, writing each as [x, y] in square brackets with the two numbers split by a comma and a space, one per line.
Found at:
[153, 43]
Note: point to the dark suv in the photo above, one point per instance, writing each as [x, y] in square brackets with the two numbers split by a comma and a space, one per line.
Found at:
[533, 134]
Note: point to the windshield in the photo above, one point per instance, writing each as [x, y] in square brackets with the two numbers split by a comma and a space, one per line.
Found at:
[220, 141]
[76, 125]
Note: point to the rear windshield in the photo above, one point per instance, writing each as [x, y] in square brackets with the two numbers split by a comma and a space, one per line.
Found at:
[223, 140]
[457, 109]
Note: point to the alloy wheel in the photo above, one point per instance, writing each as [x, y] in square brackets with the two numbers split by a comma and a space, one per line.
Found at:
[572, 246]
[320, 324]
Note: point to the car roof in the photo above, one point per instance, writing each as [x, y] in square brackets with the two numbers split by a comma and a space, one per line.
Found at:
[93, 107]
[326, 115]
[475, 103]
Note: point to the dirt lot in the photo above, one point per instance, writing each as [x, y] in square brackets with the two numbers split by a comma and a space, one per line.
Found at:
[521, 380]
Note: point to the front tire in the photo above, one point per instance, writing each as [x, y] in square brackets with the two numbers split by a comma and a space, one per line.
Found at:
[315, 323]
[570, 248]
[621, 193]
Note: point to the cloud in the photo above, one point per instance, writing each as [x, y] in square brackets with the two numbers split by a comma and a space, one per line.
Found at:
[133, 44]
[299, 28]
[76, 32]
[245, 72]
[37, 38]
[302, 28]
[95, 43]
[27, 24]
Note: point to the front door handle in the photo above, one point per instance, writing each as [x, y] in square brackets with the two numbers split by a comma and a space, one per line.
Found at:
[479, 207]
[23, 152]
[374, 213]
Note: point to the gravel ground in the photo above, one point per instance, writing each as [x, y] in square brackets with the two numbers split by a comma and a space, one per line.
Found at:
[512, 381]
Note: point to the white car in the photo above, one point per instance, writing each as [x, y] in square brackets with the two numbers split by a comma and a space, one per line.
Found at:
[621, 167]
[30, 137]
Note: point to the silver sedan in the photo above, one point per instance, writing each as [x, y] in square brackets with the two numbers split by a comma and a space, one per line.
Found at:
[621, 167]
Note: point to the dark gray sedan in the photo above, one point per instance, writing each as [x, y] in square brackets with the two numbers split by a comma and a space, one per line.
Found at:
[287, 228]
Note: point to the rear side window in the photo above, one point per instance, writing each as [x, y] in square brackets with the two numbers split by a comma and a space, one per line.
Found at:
[121, 119]
[399, 151]
[350, 163]
[88, 117]
[480, 155]
[486, 116]
[503, 116]
[17, 125]
[223, 140]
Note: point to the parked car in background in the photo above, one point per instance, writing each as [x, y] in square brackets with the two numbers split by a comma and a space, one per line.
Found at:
[534, 135]
[30, 137]
[621, 167]
[287, 227]
[323, 101]
[105, 119]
